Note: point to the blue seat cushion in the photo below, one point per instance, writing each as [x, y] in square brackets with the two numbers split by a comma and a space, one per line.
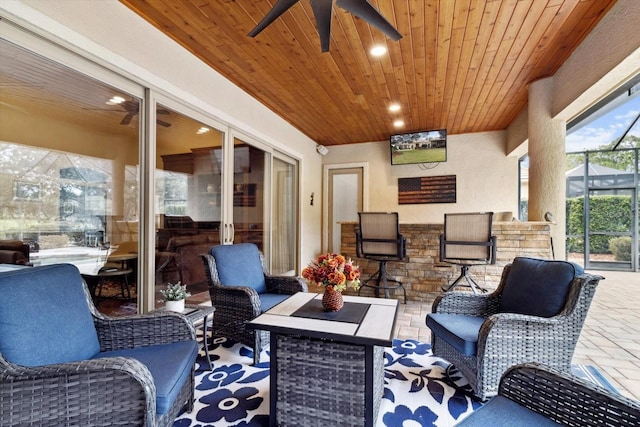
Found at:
[45, 316]
[459, 331]
[240, 265]
[170, 366]
[538, 287]
[268, 300]
[501, 411]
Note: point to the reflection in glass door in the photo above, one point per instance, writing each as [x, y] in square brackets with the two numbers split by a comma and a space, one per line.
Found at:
[609, 225]
[249, 173]
[188, 200]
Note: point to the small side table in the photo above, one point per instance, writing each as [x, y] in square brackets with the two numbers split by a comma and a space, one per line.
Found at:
[199, 315]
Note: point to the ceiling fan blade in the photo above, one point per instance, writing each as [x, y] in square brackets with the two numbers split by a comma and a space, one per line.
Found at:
[127, 119]
[131, 106]
[363, 9]
[322, 12]
[281, 7]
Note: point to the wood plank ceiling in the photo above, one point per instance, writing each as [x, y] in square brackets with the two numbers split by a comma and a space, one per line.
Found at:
[463, 65]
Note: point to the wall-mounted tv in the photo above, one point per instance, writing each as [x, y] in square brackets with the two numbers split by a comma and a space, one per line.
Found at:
[419, 147]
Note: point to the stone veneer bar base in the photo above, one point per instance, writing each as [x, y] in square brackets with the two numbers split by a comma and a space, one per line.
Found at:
[423, 274]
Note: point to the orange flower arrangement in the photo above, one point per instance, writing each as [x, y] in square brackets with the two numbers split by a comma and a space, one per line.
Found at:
[333, 270]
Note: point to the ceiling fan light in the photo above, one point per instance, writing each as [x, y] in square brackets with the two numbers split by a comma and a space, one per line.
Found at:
[115, 100]
[378, 50]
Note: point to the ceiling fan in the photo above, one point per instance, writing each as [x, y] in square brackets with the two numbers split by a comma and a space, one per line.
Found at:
[133, 109]
[322, 11]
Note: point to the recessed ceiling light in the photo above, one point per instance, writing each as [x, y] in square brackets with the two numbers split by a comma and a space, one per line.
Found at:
[203, 130]
[394, 107]
[115, 100]
[378, 50]
[398, 123]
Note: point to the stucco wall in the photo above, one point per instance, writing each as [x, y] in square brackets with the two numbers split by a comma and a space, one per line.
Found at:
[608, 56]
[486, 179]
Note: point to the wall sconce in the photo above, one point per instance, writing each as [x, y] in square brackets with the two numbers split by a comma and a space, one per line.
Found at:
[322, 150]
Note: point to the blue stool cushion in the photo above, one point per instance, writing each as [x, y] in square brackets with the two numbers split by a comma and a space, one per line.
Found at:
[170, 366]
[240, 265]
[538, 287]
[459, 331]
[44, 316]
[268, 300]
[501, 411]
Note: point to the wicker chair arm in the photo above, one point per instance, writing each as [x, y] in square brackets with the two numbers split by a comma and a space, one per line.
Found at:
[567, 399]
[501, 324]
[79, 391]
[142, 330]
[521, 336]
[288, 285]
[506, 320]
[238, 298]
[466, 303]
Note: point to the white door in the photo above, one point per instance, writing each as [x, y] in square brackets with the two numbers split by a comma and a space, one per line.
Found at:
[345, 200]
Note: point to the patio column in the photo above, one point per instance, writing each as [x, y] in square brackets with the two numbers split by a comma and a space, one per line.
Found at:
[547, 163]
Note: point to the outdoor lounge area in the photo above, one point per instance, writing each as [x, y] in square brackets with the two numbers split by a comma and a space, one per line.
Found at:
[603, 370]
[368, 213]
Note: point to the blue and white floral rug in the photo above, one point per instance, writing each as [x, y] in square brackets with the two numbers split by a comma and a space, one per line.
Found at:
[235, 393]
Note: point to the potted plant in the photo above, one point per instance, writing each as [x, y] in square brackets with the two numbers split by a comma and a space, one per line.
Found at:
[174, 296]
[335, 273]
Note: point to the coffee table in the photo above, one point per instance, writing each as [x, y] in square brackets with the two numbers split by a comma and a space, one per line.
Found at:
[327, 368]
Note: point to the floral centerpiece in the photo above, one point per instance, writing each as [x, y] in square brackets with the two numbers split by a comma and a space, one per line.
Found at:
[174, 296]
[335, 273]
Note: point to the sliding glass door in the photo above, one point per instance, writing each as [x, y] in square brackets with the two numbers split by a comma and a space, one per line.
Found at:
[188, 199]
[264, 202]
[69, 165]
[284, 225]
[116, 178]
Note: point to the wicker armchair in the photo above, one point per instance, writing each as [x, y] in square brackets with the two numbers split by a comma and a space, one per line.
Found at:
[535, 315]
[64, 364]
[531, 394]
[241, 290]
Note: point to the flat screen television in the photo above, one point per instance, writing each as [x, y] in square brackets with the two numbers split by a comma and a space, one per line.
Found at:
[428, 146]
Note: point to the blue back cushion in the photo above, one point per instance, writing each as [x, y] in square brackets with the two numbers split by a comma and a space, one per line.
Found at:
[239, 265]
[44, 316]
[538, 287]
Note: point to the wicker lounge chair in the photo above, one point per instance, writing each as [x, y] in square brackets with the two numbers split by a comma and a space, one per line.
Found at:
[536, 395]
[64, 364]
[241, 289]
[535, 315]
